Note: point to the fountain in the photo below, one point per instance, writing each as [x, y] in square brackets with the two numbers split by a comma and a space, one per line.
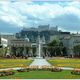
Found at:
[39, 48]
[39, 61]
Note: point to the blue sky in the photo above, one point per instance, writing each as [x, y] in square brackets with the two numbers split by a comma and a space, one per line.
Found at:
[16, 14]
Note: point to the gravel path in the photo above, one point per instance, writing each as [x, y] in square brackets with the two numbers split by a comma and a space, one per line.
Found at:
[40, 62]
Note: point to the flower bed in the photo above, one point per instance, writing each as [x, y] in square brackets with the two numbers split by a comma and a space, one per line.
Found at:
[33, 68]
[6, 73]
[74, 63]
[46, 67]
[56, 69]
[43, 68]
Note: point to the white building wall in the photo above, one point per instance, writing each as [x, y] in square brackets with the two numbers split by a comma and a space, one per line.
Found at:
[4, 42]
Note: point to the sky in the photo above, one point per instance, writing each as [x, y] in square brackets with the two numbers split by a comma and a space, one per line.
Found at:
[16, 14]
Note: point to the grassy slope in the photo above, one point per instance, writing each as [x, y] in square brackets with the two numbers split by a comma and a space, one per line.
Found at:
[42, 75]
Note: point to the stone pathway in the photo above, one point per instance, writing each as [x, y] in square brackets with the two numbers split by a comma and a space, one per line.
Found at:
[67, 68]
[40, 62]
[16, 68]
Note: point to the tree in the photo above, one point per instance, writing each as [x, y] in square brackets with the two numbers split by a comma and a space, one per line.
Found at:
[52, 47]
[54, 43]
[76, 50]
[64, 50]
[13, 51]
[56, 48]
[34, 51]
[44, 51]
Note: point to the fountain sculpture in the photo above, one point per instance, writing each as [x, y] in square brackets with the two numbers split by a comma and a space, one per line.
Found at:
[39, 61]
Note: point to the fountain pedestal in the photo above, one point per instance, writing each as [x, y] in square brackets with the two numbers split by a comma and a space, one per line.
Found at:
[39, 61]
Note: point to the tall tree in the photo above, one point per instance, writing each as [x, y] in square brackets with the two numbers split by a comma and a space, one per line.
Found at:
[53, 47]
[76, 50]
[56, 48]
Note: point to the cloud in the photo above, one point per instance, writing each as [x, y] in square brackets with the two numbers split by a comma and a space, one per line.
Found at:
[8, 28]
[68, 22]
[27, 14]
[9, 14]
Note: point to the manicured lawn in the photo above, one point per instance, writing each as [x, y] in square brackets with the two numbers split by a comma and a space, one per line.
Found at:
[42, 75]
[10, 63]
[75, 63]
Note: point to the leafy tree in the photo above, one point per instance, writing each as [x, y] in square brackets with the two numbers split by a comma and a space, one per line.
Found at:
[34, 51]
[64, 50]
[44, 51]
[56, 48]
[76, 50]
[54, 43]
[52, 47]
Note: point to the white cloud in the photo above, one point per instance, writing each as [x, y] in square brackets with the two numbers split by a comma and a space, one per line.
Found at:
[17, 13]
[10, 14]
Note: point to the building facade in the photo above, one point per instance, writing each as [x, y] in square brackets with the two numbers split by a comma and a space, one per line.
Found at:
[70, 41]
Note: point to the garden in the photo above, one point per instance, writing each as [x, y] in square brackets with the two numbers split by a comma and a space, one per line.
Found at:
[53, 73]
[45, 72]
[66, 62]
[11, 63]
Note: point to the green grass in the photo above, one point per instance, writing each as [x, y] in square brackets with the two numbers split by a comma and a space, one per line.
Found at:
[42, 75]
[75, 63]
[10, 63]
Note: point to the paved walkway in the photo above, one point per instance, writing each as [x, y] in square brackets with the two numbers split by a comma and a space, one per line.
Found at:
[16, 68]
[40, 62]
[67, 68]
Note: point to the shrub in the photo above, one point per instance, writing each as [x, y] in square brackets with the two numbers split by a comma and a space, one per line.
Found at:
[1, 74]
[46, 67]
[75, 71]
[21, 70]
[6, 73]
[9, 73]
[55, 69]
[33, 67]
[26, 68]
